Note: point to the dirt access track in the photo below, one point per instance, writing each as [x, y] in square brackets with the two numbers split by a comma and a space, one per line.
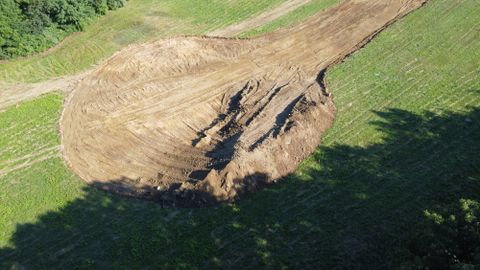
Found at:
[194, 120]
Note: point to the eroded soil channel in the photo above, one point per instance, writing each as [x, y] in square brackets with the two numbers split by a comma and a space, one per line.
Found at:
[194, 121]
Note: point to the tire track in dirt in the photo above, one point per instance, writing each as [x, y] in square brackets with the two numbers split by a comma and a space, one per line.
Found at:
[197, 120]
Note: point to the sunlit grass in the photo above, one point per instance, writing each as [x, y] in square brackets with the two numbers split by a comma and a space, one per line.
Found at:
[293, 17]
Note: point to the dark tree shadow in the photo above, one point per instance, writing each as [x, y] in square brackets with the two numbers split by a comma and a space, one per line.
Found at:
[351, 207]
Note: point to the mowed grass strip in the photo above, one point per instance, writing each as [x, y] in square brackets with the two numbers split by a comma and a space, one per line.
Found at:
[138, 21]
[29, 131]
[405, 143]
[296, 16]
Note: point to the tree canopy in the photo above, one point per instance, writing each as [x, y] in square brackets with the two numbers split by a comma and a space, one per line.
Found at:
[29, 26]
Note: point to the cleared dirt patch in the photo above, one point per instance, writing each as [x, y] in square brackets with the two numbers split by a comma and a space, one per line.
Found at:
[193, 121]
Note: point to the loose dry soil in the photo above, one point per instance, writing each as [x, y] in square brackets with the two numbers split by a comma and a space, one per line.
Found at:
[197, 120]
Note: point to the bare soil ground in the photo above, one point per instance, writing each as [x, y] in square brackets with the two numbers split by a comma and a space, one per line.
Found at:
[197, 120]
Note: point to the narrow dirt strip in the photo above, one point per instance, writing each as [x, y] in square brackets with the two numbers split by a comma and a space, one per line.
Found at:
[11, 94]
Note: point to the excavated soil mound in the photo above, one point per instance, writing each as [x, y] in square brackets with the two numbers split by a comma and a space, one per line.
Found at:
[196, 120]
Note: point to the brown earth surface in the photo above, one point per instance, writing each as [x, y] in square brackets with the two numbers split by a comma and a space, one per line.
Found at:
[196, 120]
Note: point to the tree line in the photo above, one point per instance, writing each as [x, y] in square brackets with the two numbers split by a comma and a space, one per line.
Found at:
[29, 26]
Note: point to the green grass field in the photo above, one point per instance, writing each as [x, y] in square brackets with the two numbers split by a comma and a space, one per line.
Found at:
[398, 170]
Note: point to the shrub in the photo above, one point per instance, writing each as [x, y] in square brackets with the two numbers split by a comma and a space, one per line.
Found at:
[449, 238]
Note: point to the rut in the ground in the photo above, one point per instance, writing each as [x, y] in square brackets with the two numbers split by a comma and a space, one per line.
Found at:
[199, 120]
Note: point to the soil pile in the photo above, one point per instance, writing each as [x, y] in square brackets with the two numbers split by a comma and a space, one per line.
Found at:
[197, 120]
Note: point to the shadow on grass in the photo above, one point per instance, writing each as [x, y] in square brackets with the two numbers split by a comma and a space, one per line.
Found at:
[379, 206]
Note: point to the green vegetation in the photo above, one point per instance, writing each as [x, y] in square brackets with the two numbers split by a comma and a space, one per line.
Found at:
[418, 83]
[29, 149]
[138, 21]
[29, 130]
[292, 17]
[29, 26]
[395, 184]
